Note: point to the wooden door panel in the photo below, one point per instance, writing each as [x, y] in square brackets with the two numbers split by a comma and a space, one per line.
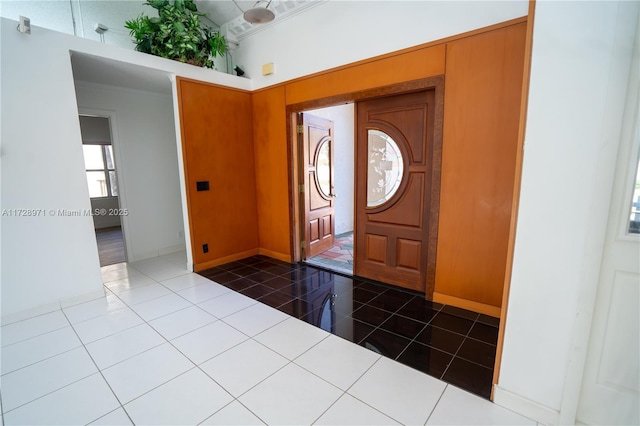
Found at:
[314, 230]
[393, 230]
[409, 210]
[409, 254]
[411, 120]
[327, 226]
[224, 217]
[315, 199]
[317, 149]
[376, 248]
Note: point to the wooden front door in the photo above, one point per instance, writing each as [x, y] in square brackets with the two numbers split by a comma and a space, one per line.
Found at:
[317, 164]
[397, 182]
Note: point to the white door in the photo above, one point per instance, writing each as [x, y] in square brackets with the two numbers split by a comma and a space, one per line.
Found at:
[611, 382]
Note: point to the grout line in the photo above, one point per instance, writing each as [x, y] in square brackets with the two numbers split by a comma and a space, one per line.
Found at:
[108, 335]
[330, 405]
[459, 347]
[345, 391]
[196, 366]
[166, 341]
[99, 371]
[288, 361]
[358, 379]
[437, 402]
[226, 405]
[48, 393]
[37, 335]
[112, 411]
[410, 343]
[43, 359]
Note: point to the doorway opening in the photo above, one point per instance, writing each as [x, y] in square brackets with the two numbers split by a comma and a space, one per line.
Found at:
[327, 145]
[394, 239]
[102, 182]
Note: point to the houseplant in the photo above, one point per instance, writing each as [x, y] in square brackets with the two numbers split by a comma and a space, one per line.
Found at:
[176, 33]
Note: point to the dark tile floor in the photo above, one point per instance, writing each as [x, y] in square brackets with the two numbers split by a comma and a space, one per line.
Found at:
[452, 344]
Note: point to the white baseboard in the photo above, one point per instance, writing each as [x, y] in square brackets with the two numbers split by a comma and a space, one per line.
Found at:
[29, 313]
[171, 250]
[155, 253]
[524, 406]
[51, 307]
[65, 303]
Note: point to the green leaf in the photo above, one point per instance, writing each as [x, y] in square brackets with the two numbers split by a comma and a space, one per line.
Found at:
[189, 4]
[158, 4]
[176, 33]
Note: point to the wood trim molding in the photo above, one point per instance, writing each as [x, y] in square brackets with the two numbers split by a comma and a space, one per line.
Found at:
[516, 191]
[401, 52]
[187, 177]
[492, 311]
[222, 260]
[436, 177]
[207, 83]
[361, 95]
[274, 254]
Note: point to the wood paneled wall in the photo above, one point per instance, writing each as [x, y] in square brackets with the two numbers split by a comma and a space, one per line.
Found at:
[249, 206]
[272, 172]
[481, 116]
[391, 69]
[217, 143]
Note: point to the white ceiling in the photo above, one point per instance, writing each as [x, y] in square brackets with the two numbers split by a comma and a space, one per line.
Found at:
[95, 69]
[230, 12]
[223, 11]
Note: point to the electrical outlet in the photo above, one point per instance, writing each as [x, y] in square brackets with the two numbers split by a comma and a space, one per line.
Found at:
[205, 248]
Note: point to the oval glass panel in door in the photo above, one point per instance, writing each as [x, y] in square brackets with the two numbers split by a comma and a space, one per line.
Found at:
[385, 169]
[323, 168]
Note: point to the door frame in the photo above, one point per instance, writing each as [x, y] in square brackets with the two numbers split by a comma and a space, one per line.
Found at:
[294, 155]
[115, 144]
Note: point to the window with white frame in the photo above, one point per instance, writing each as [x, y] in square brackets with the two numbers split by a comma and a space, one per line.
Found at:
[101, 170]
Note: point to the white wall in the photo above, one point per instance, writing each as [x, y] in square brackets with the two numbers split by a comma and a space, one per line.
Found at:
[51, 260]
[45, 259]
[343, 126]
[55, 15]
[339, 32]
[59, 15]
[147, 164]
[580, 65]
